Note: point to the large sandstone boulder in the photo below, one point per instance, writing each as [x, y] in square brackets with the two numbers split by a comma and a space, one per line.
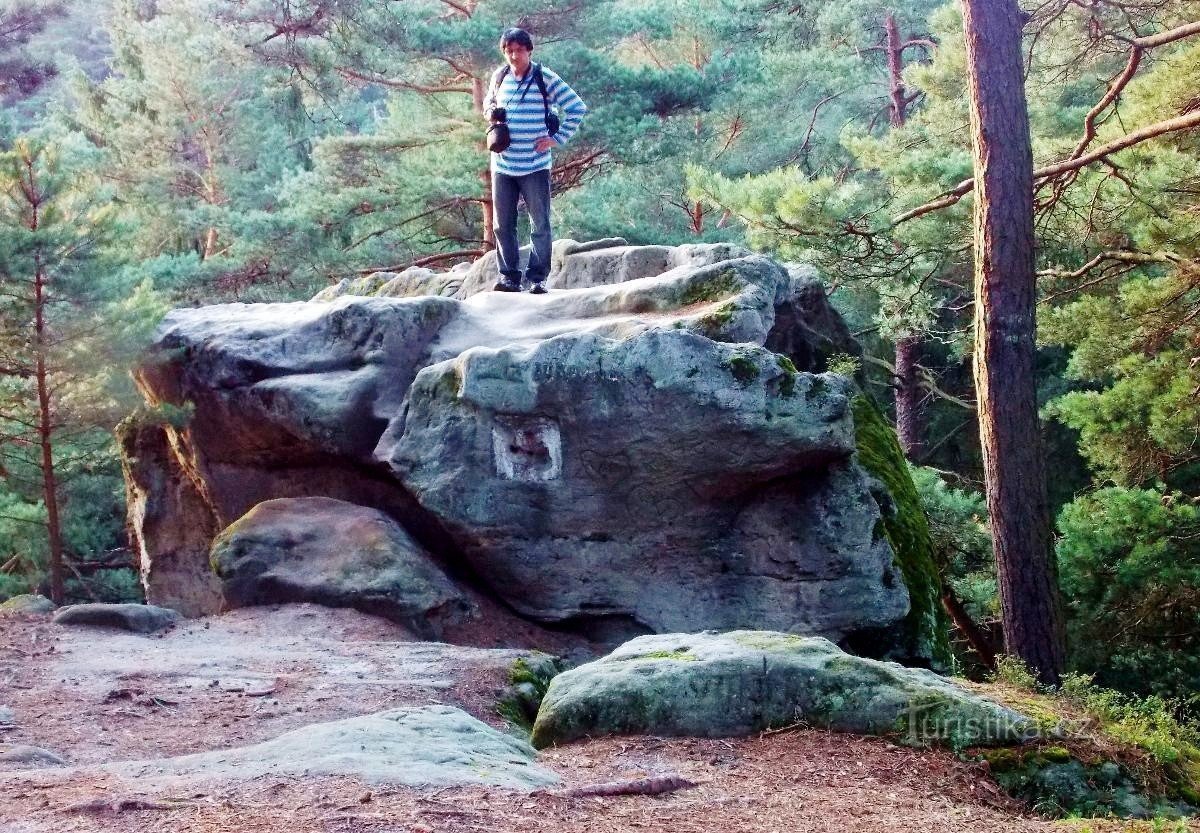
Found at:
[337, 554]
[665, 480]
[652, 446]
[739, 683]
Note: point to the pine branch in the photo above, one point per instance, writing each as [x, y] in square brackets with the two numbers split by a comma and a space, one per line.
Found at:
[1187, 121]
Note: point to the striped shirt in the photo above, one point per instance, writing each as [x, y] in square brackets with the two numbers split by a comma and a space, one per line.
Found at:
[527, 118]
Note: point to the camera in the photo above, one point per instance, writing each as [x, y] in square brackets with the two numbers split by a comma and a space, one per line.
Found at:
[498, 137]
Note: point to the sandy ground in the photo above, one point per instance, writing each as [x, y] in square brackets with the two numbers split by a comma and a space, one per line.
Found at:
[95, 696]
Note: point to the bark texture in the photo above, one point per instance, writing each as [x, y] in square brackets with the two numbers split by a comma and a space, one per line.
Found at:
[908, 398]
[1004, 337]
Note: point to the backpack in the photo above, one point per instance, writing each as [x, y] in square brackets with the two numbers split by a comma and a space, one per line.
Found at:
[552, 120]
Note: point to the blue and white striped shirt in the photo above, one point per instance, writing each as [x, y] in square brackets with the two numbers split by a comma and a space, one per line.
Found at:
[527, 118]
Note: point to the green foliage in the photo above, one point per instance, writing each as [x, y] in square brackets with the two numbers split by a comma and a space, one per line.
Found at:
[1119, 754]
[1129, 564]
[70, 322]
[1012, 670]
[961, 541]
[844, 365]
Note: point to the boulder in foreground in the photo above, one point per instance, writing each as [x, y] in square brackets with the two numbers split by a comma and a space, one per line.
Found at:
[26, 604]
[430, 746]
[738, 683]
[130, 617]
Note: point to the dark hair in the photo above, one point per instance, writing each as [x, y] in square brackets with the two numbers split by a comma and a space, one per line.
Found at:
[517, 36]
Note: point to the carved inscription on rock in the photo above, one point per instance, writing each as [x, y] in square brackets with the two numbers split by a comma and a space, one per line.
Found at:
[527, 448]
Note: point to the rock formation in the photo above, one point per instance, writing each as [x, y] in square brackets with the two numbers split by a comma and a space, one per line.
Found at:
[745, 682]
[335, 553]
[653, 447]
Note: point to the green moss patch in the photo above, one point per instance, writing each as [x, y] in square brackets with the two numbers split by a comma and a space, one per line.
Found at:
[679, 656]
[743, 369]
[925, 629]
[718, 287]
[1103, 754]
[718, 319]
[528, 679]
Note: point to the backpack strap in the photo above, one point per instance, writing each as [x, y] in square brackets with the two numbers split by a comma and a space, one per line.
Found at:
[493, 93]
[541, 82]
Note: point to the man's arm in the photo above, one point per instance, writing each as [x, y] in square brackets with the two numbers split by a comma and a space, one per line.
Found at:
[572, 106]
[489, 100]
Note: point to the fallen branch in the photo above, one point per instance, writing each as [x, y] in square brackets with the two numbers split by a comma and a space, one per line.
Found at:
[974, 635]
[424, 261]
[654, 785]
[105, 806]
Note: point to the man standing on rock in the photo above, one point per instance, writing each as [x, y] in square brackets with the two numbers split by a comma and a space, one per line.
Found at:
[522, 94]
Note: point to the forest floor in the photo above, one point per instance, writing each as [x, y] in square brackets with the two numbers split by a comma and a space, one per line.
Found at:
[96, 696]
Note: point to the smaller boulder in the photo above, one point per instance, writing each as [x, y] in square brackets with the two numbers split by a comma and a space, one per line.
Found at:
[130, 617]
[26, 604]
[7, 716]
[739, 683]
[428, 746]
[337, 554]
[27, 757]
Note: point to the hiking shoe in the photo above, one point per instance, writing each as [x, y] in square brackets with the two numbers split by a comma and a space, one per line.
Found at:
[507, 284]
[537, 288]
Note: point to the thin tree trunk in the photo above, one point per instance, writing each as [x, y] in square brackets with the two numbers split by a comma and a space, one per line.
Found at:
[909, 426]
[1004, 338]
[895, 68]
[45, 423]
[974, 635]
[489, 234]
[45, 439]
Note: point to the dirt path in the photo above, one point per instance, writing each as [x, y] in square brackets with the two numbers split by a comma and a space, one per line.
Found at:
[96, 696]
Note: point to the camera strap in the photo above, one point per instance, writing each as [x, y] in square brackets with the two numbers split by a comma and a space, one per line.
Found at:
[523, 87]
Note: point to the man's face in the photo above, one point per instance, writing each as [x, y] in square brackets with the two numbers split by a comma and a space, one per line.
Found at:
[517, 57]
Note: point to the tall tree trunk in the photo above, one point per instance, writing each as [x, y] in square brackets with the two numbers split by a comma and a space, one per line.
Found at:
[45, 418]
[1004, 337]
[909, 426]
[45, 438]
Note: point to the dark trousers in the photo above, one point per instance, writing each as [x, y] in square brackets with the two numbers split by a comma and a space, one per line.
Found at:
[535, 188]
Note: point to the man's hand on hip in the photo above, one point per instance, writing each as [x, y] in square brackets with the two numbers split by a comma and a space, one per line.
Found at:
[544, 144]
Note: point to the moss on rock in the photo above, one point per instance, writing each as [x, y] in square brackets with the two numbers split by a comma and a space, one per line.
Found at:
[715, 287]
[743, 369]
[743, 682]
[1056, 783]
[528, 679]
[923, 635]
